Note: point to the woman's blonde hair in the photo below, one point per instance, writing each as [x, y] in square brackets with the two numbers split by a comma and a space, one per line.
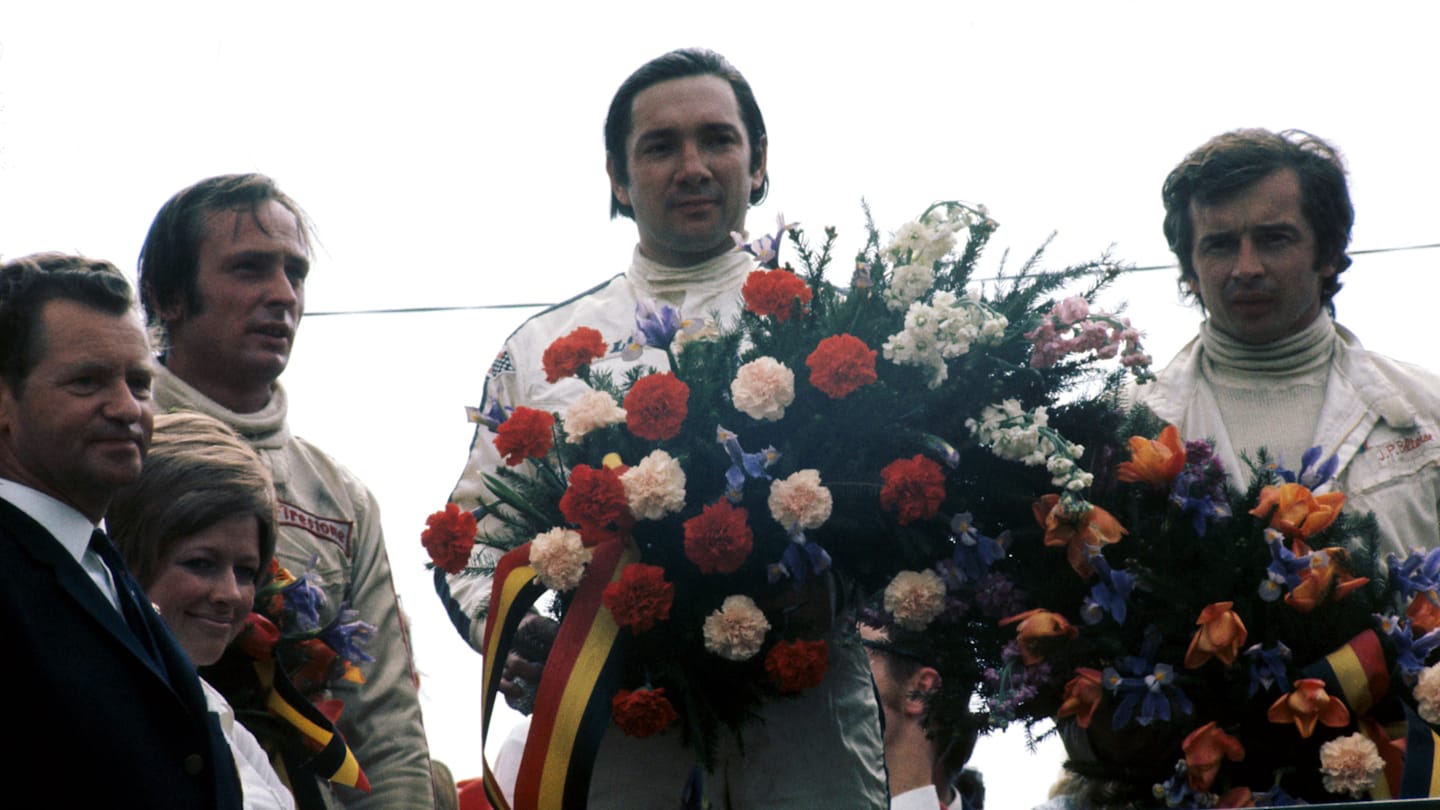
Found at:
[197, 473]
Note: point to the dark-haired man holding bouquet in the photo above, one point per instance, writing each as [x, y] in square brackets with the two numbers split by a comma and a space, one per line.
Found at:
[686, 156]
[1260, 222]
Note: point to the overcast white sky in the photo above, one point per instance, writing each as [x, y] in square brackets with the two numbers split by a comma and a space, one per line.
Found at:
[451, 155]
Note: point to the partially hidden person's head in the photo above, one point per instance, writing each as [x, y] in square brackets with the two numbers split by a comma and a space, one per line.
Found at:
[75, 379]
[908, 681]
[222, 277]
[685, 149]
[198, 530]
[1260, 222]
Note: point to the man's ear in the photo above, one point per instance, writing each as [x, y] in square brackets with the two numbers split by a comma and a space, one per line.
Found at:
[923, 683]
[757, 175]
[619, 190]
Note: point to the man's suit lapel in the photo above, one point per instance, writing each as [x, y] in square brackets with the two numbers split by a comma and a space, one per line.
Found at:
[77, 585]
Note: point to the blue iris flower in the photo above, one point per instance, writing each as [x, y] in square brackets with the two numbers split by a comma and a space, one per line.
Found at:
[974, 552]
[347, 634]
[1313, 472]
[1419, 573]
[1284, 569]
[743, 465]
[1203, 508]
[800, 560]
[1410, 652]
[1267, 666]
[1147, 687]
[656, 324]
[303, 600]
[1112, 592]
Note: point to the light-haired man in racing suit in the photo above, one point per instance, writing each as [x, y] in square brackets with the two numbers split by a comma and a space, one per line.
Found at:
[685, 151]
[1260, 222]
[223, 274]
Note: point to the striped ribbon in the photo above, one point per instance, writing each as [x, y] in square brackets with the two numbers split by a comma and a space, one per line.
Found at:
[333, 759]
[1360, 674]
[572, 704]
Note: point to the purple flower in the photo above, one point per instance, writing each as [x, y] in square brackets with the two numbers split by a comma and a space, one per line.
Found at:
[1112, 592]
[1419, 573]
[655, 326]
[347, 634]
[303, 600]
[1197, 497]
[1284, 569]
[1310, 475]
[743, 465]
[998, 597]
[1410, 652]
[492, 417]
[800, 560]
[1148, 687]
[1267, 666]
[974, 552]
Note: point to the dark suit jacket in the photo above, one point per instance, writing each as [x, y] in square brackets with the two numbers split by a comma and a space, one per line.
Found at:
[89, 719]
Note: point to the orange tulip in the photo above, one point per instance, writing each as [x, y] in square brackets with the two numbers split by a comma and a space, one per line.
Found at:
[1308, 704]
[1221, 635]
[1077, 532]
[1204, 748]
[1154, 461]
[1325, 577]
[1036, 627]
[1297, 512]
[1082, 696]
[1423, 613]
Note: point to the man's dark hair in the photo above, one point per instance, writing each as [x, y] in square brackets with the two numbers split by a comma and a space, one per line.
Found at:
[169, 265]
[1229, 164]
[680, 64]
[29, 283]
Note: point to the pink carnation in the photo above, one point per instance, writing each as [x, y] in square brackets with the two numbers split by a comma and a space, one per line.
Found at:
[559, 558]
[800, 500]
[592, 411]
[1427, 694]
[763, 389]
[1350, 765]
[737, 630]
[655, 487]
[915, 598]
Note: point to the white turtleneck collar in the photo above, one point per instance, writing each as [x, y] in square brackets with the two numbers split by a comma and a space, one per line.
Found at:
[264, 428]
[687, 286]
[1305, 351]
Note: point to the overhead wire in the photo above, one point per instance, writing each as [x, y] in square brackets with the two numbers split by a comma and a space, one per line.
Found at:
[477, 307]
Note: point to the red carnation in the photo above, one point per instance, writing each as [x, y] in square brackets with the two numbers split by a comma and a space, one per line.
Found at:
[640, 598]
[567, 355]
[595, 501]
[656, 406]
[841, 364]
[774, 293]
[642, 712]
[449, 536]
[914, 486]
[794, 666]
[718, 539]
[528, 433]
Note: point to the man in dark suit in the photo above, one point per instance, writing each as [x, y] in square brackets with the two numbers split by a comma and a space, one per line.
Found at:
[102, 707]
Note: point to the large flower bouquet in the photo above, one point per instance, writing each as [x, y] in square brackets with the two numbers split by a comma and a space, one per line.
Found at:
[1202, 647]
[823, 443]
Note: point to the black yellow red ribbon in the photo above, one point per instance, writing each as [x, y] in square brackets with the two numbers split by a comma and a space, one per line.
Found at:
[1360, 673]
[572, 704]
[332, 757]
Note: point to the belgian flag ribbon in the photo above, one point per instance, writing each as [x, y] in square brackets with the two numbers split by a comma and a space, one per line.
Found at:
[333, 758]
[572, 704]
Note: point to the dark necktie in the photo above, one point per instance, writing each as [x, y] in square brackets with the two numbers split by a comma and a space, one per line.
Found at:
[128, 594]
